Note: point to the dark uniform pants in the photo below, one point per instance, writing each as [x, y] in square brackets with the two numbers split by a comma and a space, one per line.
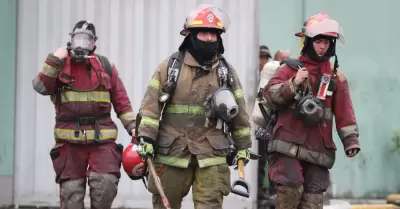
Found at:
[299, 184]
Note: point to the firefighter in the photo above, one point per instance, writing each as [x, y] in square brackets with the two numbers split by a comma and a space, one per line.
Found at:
[190, 143]
[307, 94]
[83, 87]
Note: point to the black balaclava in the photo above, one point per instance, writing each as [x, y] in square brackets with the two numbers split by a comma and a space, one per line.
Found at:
[308, 49]
[202, 51]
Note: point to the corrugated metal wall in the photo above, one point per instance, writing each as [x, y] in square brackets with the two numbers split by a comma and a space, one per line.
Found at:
[136, 35]
[368, 59]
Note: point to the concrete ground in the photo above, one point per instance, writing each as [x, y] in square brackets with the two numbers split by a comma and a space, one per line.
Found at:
[359, 204]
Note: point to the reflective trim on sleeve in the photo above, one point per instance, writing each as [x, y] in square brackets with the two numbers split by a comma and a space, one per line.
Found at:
[241, 133]
[49, 71]
[347, 131]
[127, 118]
[154, 83]
[147, 121]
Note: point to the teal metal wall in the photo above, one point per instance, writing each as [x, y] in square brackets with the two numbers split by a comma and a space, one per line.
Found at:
[369, 61]
[8, 23]
[8, 36]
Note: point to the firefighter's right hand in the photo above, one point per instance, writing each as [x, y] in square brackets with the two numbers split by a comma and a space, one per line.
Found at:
[145, 149]
[61, 53]
[301, 75]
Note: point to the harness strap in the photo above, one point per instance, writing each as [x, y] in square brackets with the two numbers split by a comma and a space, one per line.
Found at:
[85, 121]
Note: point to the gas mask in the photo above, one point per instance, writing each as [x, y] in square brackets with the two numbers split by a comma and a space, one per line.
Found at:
[224, 105]
[309, 109]
[82, 43]
[221, 104]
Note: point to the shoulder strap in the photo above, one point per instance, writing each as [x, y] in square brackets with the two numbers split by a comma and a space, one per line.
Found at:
[106, 64]
[293, 63]
[174, 66]
[174, 70]
[224, 74]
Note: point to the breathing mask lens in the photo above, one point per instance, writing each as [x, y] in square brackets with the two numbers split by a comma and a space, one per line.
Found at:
[82, 41]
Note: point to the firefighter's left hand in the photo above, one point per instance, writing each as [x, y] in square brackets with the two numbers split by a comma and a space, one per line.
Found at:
[352, 152]
[145, 149]
[242, 154]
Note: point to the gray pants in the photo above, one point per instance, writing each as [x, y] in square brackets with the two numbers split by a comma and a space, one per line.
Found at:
[103, 189]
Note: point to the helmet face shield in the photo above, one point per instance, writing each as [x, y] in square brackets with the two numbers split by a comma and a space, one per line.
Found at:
[83, 41]
[327, 27]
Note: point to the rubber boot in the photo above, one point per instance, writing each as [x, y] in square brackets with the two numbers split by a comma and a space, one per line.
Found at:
[288, 197]
[311, 201]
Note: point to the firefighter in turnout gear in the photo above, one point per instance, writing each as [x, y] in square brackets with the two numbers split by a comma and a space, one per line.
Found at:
[83, 87]
[191, 123]
[308, 92]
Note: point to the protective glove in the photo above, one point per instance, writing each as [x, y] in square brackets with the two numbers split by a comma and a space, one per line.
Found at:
[242, 154]
[145, 147]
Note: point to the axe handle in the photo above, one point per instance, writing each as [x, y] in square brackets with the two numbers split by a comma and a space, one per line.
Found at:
[158, 183]
[241, 168]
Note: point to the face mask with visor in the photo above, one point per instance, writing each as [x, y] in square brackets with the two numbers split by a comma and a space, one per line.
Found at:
[82, 43]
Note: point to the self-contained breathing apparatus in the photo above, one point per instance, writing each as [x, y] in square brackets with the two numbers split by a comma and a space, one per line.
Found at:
[309, 108]
[220, 106]
[81, 44]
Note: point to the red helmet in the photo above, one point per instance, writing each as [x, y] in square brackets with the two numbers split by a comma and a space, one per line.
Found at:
[133, 163]
[206, 16]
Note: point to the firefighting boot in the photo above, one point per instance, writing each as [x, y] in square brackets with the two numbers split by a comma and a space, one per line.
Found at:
[311, 201]
[288, 197]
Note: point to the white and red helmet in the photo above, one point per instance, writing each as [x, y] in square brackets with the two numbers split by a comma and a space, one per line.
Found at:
[206, 16]
[321, 24]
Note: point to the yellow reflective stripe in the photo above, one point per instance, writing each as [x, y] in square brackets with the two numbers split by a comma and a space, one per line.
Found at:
[197, 22]
[211, 161]
[155, 83]
[94, 96]
[241, 132]
[149, 122]
[127, 118]
[49, 71]
[172, 161]
[186, 109]
[238, 93]
[69, 134]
